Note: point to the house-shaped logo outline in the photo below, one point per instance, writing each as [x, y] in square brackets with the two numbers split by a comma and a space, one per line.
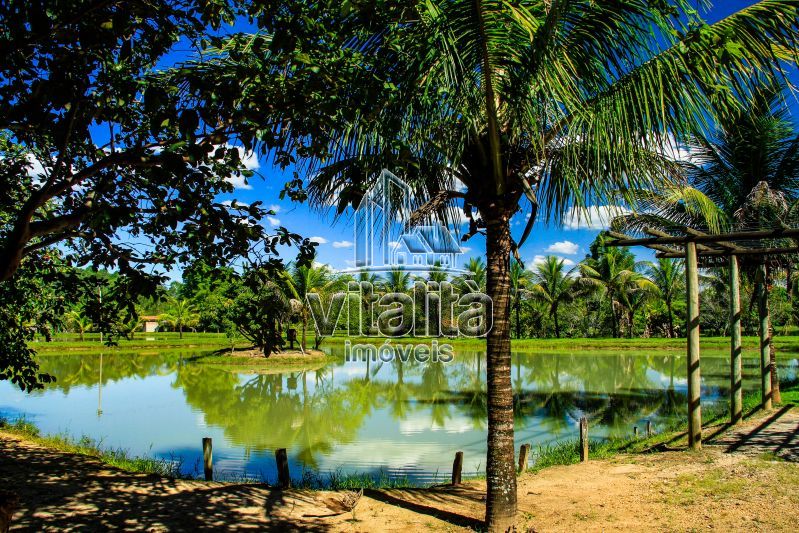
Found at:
[417, 249]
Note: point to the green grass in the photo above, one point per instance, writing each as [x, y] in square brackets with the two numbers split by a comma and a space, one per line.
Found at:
[69, 343]
[567, 452]
[88, 447]
[712, 346]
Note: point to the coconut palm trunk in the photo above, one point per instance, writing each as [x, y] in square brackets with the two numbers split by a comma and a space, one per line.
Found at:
[671, 320]
[500, 470]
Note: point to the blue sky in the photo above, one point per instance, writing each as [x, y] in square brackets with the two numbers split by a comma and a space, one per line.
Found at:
[335, 237]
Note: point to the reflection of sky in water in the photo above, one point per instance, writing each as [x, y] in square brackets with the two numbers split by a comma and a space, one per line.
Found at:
[350, 418]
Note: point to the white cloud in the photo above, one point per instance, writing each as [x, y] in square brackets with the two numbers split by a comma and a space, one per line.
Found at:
[318, 240]
[37, 170]
[238, 182]
[465, 249]
[239, 205]
[595, 217]
[274, 222]
[250, 161]
[342, 244]
[274, 208]
[539, 259]
[463, 219]
[564, 247]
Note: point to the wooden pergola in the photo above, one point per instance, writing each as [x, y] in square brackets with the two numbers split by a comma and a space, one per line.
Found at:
[716, 250]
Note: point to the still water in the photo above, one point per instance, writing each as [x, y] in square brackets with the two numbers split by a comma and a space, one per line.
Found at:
[397, 419]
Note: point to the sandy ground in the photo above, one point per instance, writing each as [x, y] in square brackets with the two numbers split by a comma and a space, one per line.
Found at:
[740, 484]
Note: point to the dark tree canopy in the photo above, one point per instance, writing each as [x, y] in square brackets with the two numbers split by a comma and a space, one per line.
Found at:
[104, 153]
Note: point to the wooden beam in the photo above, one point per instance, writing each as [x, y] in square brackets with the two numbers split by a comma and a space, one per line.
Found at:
[736, 373]
[736, 236]
[658, 247]
[723, 244]
[739, 251]
[694, 377]
[658, 233]
[765, 338]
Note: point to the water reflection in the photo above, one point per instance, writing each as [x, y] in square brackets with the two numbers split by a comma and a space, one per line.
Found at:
[402, 417]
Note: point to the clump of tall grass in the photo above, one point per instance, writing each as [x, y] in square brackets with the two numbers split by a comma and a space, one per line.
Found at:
[117, 457]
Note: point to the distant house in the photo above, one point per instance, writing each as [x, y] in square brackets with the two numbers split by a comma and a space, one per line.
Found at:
[426, 245]
[150, 323]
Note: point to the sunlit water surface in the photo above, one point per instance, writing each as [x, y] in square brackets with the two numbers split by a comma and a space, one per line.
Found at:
[390, 419]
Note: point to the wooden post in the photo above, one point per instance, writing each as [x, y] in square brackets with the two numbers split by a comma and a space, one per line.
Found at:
[524, 457]
[208, 459]
[635, 431]
[736, 373]
[648, 428]
[457, 467]
[583, 439]
[283, 476]
[765, 339]
[694, 377]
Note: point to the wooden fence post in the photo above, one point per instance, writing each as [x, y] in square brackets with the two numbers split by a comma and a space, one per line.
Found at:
[283, 475]
[583, 439]
[648, 428]
[736, 372]
[694, 376]
[524, 456]
[457, 467]
[765, 340]
[635, 431]
[208, 458]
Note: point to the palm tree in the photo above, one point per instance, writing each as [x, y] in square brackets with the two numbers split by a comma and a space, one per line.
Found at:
[635, 293]
[520, 282]
[477, 271]
[180, 314]
[669, 277]
[494, 104]
[79, 322]
[554, 285]
[397, 280]
[743, 175]
[613, 275]
[301, 281]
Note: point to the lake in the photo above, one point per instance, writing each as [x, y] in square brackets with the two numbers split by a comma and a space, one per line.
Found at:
[396, 419]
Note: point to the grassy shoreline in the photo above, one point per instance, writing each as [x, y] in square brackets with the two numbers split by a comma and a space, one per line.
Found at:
[144, 341]
[559, 454]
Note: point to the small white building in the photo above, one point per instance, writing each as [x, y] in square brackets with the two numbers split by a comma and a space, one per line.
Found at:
[150, 323]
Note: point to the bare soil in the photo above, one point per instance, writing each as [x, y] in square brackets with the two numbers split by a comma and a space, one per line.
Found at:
[719, 488]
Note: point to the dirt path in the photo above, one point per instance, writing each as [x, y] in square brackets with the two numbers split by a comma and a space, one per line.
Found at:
[776, 434]
[674, 491]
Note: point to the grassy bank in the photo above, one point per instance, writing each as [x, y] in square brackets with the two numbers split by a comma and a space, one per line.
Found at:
[561, 453]
[712, 346]
[714, 421]
[86, 446]
[69, 343]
